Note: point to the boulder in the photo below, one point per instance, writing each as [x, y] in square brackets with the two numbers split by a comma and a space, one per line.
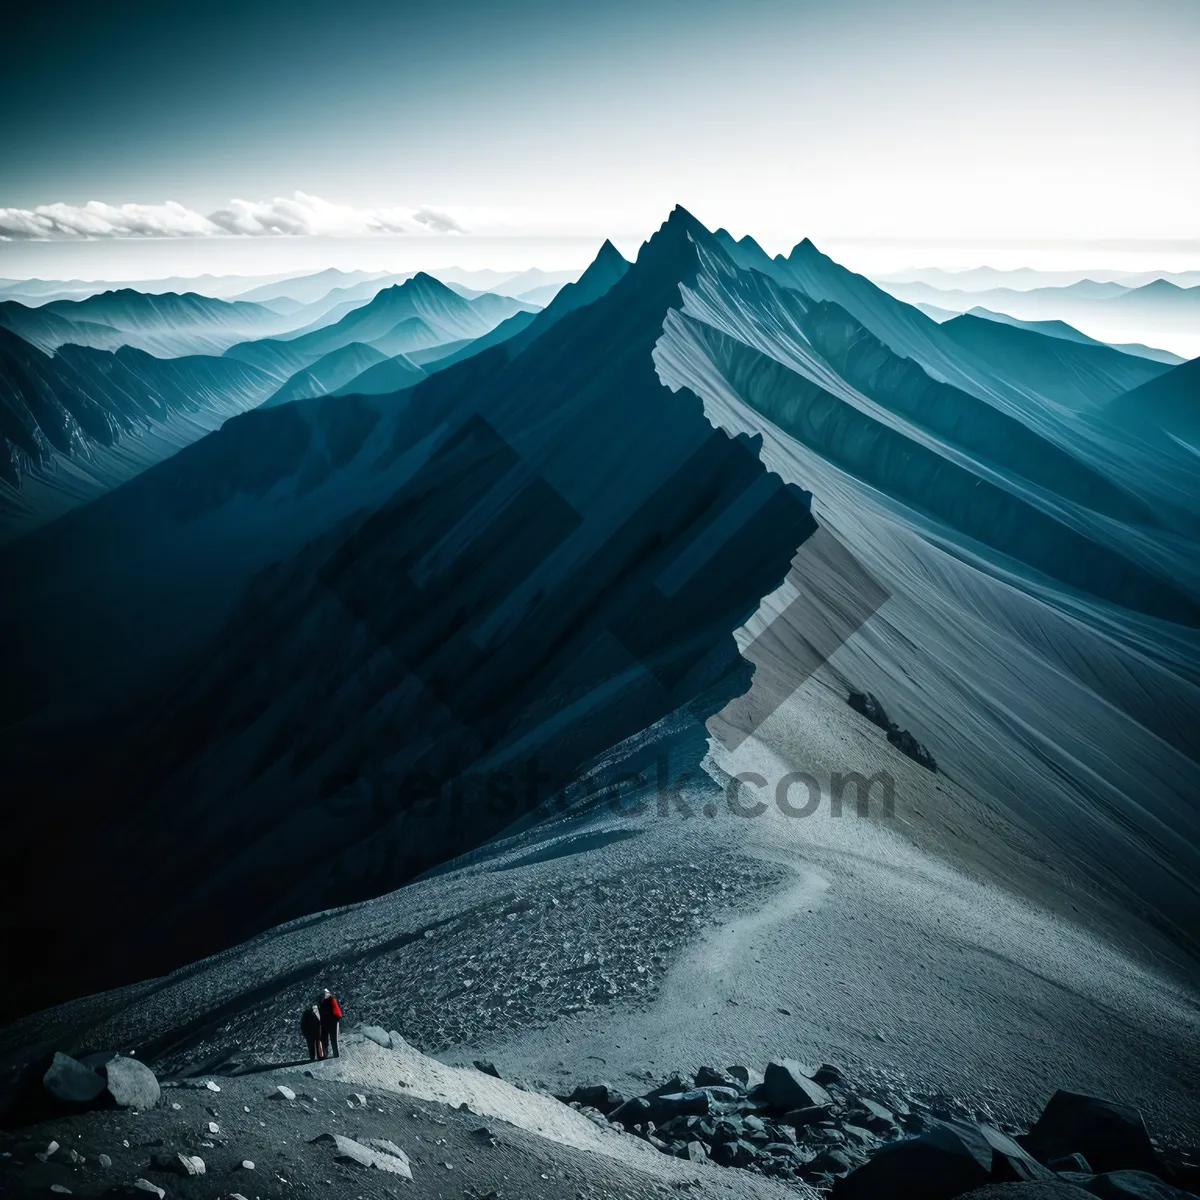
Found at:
[1111, 1136]
[379, 1036]
[1132, 1185]
[945, 1161]
[600, 1096]
[71, 1083]
[487, 1068]
[131, 1083]
[786, 1086]
[283, 1092]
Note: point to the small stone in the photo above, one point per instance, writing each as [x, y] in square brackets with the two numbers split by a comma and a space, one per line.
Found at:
[144, 1185]
[104, 1161]
[62, 1191]
[213, 1087]
[177, 1107]
[213, 1127]
[284, 1092]
[247, 1165]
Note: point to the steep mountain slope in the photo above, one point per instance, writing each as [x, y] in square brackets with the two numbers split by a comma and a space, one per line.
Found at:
[1170, 403]
[1052, 414]
[1093, 374]
[509, 568]
[329, 373]
[1041, 621]
[1060, 329]
[79, 422]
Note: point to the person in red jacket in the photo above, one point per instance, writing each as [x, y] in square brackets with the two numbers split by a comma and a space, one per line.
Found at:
[331, 1014]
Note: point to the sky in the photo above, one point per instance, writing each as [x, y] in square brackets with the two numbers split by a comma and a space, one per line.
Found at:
[256, 136]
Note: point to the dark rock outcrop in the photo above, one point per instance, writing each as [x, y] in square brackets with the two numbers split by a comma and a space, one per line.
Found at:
[870, 707]
[1111, 1136]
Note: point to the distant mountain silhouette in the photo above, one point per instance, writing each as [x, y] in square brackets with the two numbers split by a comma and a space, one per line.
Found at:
[421, 311]
[328, 374]
[1060, 329]
[165, 324]
[392, 375]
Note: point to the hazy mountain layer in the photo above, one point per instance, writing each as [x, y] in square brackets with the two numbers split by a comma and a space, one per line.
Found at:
[1158, 313]
[1060, 329]
[167, 324]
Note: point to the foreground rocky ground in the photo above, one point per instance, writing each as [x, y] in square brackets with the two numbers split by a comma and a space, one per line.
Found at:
[383, 1120]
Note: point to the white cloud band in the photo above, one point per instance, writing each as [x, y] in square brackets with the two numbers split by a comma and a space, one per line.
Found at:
[300, 215]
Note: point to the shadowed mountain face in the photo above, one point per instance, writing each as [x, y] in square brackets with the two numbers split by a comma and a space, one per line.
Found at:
[473, 588]
[81, 421]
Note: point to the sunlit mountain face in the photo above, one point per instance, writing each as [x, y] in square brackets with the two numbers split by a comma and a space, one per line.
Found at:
[599, 639]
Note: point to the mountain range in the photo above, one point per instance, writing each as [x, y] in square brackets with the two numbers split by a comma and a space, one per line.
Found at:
[1158, 313]
[337, 614]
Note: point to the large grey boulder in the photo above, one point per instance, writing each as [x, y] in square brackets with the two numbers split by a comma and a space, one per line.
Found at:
[131, 1084]
[72, 1083]
[948, 1160]
[786, 1086]
[1111, 1136]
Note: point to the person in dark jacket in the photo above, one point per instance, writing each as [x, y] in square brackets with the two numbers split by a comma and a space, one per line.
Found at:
[310, 1027]
[331, 1014]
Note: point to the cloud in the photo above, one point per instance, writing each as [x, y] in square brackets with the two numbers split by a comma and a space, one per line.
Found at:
[440, 222]
[299, 215]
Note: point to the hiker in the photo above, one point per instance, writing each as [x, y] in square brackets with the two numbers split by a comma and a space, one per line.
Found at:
[331, 1014]
[310, 1027]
